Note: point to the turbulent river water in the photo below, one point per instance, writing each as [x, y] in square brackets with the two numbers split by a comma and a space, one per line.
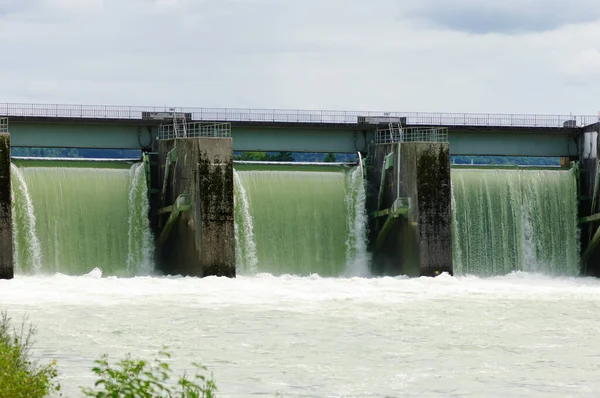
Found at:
[507, 336]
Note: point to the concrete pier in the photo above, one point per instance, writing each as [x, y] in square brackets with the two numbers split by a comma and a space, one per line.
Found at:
[413, 237]
[201, 242]
[589, 198]
[6, 245]
[425, 176]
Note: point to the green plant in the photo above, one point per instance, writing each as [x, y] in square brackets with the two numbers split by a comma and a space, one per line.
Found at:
[131, 378]
[20, 376]
[330, 157]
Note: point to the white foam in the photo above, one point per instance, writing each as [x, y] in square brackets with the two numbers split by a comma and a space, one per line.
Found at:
[317, 336]
[96, 273]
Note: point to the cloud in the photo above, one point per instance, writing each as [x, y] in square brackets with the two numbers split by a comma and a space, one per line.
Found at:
[47, 11]
[75, 6]
[8, 7]
[501, 16]
[583, 65]
[334, 54]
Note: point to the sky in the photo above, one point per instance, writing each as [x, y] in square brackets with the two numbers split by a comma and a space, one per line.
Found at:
[496, 56]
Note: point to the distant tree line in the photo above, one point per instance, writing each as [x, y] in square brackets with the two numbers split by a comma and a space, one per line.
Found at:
[507, 160]
[352, 157]
[75, 153]
[282, 156]
[265, 156]
[46, 152]
[295, 156]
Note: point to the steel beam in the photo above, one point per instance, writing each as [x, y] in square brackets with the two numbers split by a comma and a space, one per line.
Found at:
[294, 137]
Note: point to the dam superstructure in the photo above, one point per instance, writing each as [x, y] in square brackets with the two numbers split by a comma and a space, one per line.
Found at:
[399, 208]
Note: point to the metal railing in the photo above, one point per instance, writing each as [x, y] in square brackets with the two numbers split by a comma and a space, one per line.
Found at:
[3, 125]
[411, 134]
[298, 116]
[194, 129]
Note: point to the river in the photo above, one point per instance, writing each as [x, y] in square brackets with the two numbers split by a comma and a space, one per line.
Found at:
[516, 335]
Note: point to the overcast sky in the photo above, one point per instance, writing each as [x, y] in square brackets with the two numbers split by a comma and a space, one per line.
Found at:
[525, 56]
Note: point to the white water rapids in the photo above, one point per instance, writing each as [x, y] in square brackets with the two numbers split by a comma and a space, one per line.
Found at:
[516, 335]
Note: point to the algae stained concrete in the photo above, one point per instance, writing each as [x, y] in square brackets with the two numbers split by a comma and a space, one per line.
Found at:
[6, 248]
[390, 259]
[425, 178]
[419, 243]
[589, 161]
[202, 242]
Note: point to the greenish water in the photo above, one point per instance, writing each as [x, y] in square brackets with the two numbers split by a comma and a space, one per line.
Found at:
[74, 219]
[289, 220]
[300, 220]
[507, 220]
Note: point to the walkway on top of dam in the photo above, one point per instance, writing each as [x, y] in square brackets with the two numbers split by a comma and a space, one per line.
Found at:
[110, 126]
[147, 113]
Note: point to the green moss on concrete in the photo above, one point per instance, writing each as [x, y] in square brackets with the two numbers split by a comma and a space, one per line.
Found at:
[421, 242]
[6, 249]
[215, 181]
[434, 185]
[434, 208]
[4, 151]
[202, 242]
[216, 187]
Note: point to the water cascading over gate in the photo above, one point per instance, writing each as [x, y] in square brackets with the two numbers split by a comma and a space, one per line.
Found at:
[74, 217]
[515, 220]
[300, 220]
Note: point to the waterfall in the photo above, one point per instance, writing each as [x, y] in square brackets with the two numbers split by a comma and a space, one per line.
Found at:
[357, 258]
[72, 219]
[244, 230]
[301, 219]
[509, 220]
[27, 249]
[140, 254]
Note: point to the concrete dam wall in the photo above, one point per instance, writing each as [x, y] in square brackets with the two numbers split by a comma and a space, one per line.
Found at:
[184, 198]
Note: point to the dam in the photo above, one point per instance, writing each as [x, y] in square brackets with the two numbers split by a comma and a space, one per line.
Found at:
[398, 206]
